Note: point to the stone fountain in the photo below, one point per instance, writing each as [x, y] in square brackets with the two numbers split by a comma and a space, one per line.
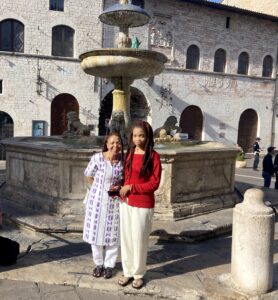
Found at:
[45, 174]
[123, 64]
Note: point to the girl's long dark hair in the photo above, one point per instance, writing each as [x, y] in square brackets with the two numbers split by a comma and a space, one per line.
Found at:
[104, 147]
[147, 165]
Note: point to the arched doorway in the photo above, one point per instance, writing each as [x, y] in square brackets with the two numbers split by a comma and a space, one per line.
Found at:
[60, 106]
[247, 129]
[139, 108]
[191, 122]
[6, 130]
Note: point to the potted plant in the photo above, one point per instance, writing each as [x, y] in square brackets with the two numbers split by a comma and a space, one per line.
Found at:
[240, 160]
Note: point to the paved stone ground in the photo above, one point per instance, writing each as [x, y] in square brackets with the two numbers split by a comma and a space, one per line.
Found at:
[176, 270]
[180, 266]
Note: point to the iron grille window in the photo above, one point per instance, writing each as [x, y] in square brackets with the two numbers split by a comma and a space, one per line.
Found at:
[219, 61]
[243, 63]
[11, 36]
[57, 5]
[267, 66]
[192, 57]
[138, 3]
[1, 87]
[62, 41]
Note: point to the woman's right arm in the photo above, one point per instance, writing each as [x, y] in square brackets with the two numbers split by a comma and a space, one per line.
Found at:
[89, 181]
[91, 170]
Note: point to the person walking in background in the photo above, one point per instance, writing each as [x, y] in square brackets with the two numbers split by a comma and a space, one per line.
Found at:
[276, 170]
[142, 171]
[256, 151]
[102, 223]
[268, 166]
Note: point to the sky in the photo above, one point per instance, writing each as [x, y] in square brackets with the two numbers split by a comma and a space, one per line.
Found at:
[217, 1]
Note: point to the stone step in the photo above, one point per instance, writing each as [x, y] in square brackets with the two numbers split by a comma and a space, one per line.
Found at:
[187, 230]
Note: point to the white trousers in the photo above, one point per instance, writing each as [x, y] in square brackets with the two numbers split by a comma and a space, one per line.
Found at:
[136, 225]
[105, 255]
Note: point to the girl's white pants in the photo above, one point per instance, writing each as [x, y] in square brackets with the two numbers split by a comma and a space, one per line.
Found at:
[105, 255]
[136, 225]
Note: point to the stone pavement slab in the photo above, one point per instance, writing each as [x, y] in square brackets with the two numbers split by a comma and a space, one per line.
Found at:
[176, 270]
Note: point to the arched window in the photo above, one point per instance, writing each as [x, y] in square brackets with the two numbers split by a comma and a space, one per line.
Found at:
[219, 61]
[243, 63]
[192, 57]
[62, 41]
[267, 66]
[11, 36]
[138, 3]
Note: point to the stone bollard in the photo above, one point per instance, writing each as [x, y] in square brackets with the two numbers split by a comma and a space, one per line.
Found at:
[252, 244]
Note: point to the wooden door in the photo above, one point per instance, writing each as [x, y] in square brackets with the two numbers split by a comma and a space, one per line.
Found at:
[60, 106]
[247, 129]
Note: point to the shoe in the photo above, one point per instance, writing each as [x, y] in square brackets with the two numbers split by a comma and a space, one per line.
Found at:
[123, 281]
[107, 273]
[98, 271]
[137, 283]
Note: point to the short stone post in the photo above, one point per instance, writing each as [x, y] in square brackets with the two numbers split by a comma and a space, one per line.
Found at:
[252, 244]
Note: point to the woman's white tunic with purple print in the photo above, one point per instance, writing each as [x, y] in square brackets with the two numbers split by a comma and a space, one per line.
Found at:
[102, 223]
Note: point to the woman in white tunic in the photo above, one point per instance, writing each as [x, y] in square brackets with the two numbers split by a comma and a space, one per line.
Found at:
[102, 223]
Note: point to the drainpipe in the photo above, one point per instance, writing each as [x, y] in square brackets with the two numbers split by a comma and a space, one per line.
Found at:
[274, 104]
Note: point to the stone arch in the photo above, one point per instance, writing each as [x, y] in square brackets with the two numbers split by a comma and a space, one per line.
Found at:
[191, 122]
[60, 106]
[247, 129]
[6, 130]
[139, 108]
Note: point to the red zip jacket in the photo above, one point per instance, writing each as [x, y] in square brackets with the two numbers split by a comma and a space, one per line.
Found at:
[142, 192]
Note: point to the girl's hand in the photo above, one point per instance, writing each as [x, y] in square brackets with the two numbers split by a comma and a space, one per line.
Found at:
[125, 190]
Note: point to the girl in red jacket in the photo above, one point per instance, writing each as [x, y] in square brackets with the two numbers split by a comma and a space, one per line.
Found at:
[142, 178]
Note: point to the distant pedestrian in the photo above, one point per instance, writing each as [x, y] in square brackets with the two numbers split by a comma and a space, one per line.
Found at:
[256, 151]
[268, 166]
[276, 170]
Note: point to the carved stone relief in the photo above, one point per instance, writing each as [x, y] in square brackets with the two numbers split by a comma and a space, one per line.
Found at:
[161, 34]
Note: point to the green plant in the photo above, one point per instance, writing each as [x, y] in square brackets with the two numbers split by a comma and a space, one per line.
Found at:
[240, 156]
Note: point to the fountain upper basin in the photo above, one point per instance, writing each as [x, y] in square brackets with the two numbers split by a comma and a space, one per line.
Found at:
[133, 63]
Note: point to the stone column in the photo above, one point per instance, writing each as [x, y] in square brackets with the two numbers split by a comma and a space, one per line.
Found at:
[252, 244]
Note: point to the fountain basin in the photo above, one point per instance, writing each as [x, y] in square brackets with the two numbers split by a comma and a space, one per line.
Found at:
[47, 174]
[132, 63]
[124, 15]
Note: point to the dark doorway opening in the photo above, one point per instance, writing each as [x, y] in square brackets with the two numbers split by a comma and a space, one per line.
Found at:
[6, 131]
[191, 122]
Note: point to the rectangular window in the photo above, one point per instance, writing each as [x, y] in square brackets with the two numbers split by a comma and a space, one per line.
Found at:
[1, 87]
[57, 5]
[38, 128]
[228, 22]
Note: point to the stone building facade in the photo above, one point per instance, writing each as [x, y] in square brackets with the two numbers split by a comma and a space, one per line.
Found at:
[31, 76]
[204, 43]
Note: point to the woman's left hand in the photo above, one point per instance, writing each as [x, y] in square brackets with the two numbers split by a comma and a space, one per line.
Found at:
[125, 190]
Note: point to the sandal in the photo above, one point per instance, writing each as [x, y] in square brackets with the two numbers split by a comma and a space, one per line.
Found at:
[123, 281]
[107, 273]
[138, 283]
[97, 272]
